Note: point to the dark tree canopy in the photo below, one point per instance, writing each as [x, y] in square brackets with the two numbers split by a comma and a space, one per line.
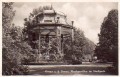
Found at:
[107, 48]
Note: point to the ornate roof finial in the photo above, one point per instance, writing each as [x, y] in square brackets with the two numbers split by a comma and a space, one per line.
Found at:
[52, 7]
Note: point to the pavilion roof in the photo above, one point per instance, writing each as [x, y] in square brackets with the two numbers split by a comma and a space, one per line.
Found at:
[48, 11]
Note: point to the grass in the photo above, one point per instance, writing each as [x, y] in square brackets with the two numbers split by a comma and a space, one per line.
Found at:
[84, 69]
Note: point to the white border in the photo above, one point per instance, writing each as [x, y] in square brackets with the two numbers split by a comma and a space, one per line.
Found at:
[53, 1]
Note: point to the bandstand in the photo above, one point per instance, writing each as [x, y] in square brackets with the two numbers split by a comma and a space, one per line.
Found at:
[51, 24]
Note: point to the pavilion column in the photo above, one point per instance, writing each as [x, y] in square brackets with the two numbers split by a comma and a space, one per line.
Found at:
[72, 37]
[39, 46]
[62, 39]
[72, 31]
[59, 41]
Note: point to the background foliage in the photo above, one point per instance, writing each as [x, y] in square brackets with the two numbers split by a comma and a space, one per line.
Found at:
[14, 50]
[107, 48]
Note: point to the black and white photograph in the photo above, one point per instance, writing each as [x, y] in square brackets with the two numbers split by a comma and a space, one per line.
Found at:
[60, 38]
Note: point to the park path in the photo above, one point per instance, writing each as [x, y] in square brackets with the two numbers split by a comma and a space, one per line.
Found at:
[83, 69]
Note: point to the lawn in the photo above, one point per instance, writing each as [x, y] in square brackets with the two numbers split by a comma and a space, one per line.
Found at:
[83, 69]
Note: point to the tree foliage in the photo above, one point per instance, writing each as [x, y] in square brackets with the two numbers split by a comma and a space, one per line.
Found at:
[107, 48]
[14, 50]
[81, 47]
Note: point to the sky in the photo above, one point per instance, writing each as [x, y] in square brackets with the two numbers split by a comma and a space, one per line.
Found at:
[87, 16]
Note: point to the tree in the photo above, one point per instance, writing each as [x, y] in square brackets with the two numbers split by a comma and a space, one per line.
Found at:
[82, 46]
[14, 50]
[107, 48]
